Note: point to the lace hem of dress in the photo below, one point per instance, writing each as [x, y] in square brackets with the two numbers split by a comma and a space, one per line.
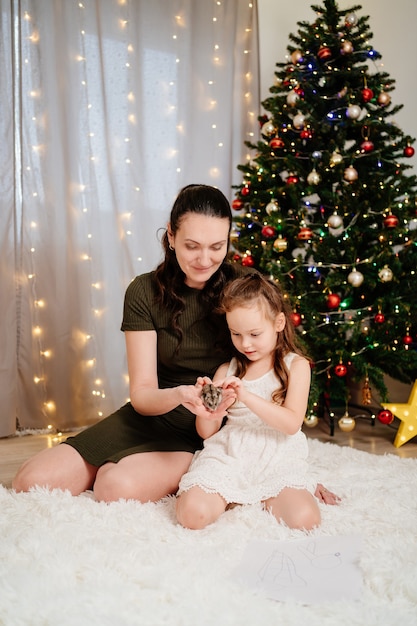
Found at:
[255, 497]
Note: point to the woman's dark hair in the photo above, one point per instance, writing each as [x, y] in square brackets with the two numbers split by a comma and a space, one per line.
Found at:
[255, 288]
[202, 200]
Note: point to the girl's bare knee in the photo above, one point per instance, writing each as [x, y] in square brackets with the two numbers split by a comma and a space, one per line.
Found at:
[306, 519]
[194, 512]
[297, 510]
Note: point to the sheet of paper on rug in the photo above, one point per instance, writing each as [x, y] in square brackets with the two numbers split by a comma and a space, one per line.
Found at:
[308, 571]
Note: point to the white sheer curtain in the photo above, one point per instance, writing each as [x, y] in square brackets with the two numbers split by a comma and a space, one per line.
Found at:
[108, 108]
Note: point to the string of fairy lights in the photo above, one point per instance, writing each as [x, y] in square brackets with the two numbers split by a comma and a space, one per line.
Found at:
[88, 332]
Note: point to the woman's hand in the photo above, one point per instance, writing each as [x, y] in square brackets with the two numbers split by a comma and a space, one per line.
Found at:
[227, 399]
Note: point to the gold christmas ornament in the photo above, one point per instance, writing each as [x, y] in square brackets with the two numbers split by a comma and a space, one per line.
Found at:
[384, 98]
[311, 420]
[366, 392]
[346, 48]
[346, 423]
[335, 158]
[296, 56]
[280, 244]
[350, 174]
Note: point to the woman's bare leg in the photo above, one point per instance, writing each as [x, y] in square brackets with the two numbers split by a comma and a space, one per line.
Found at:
[296, 507]
[196, 509]
[145, 476]
[61, 467]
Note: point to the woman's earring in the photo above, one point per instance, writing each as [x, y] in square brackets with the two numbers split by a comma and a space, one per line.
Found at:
[170, 247]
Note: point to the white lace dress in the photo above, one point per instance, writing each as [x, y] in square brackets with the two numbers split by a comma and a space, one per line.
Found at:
[247, 461]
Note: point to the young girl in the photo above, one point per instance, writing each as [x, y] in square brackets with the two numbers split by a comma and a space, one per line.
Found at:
[260, 455]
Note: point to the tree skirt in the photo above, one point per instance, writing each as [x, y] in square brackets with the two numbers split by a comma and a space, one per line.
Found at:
[73, 561]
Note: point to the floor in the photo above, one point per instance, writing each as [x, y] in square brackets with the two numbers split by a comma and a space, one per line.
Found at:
[376, 439]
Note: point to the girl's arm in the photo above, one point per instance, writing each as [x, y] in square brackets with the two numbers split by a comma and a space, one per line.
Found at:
[289, 416]
[145, 395]
[209, 422]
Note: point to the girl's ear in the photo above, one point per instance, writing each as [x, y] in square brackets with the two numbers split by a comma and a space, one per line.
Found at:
[280, 322]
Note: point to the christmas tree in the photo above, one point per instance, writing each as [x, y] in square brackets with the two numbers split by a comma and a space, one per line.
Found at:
[327, 208]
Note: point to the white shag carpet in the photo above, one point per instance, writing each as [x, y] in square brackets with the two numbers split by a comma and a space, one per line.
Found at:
[68, 561]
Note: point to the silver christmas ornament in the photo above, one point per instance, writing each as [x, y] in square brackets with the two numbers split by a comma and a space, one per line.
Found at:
[313, 178]
[353, 112]
[272, 207]
[355, 278]
[335, 221]
[268, 129]
[299, 121]
[386, 274]
[292, 98]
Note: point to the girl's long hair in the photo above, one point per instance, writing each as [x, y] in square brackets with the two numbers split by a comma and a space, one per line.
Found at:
[202, 200]
[257, 289]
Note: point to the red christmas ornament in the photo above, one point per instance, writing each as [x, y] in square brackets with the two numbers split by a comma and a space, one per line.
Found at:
[269, 232]
[296, 318]
[407, 340]
[367, 94]
[408, 151]
[324, 53]
[299, 91]
[236, 257]
[333, 301]
[276, 143]
[305, 234]
[306, 134]
[245, 191]
[367, 146]
[248, 261]
[292, 180]
[379, 318]
[391, 221]
[385, 417]
[340, 370]
[237, 204]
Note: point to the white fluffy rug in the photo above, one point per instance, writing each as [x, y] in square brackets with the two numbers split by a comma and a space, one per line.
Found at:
[73, 561]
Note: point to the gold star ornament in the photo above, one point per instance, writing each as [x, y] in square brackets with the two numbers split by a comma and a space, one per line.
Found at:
[407, 413]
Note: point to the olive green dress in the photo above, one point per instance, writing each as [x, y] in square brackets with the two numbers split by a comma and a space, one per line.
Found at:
[205, 346]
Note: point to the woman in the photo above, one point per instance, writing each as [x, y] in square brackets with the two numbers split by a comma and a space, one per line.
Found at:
[173, 336]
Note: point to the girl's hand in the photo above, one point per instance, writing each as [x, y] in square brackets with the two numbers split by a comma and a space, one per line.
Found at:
[234, 383]
[326, 496]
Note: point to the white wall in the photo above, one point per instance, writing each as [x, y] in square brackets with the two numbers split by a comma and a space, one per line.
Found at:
[393, 24]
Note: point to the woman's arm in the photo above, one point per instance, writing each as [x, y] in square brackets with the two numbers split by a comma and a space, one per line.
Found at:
[145, 395]
[289, 416]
